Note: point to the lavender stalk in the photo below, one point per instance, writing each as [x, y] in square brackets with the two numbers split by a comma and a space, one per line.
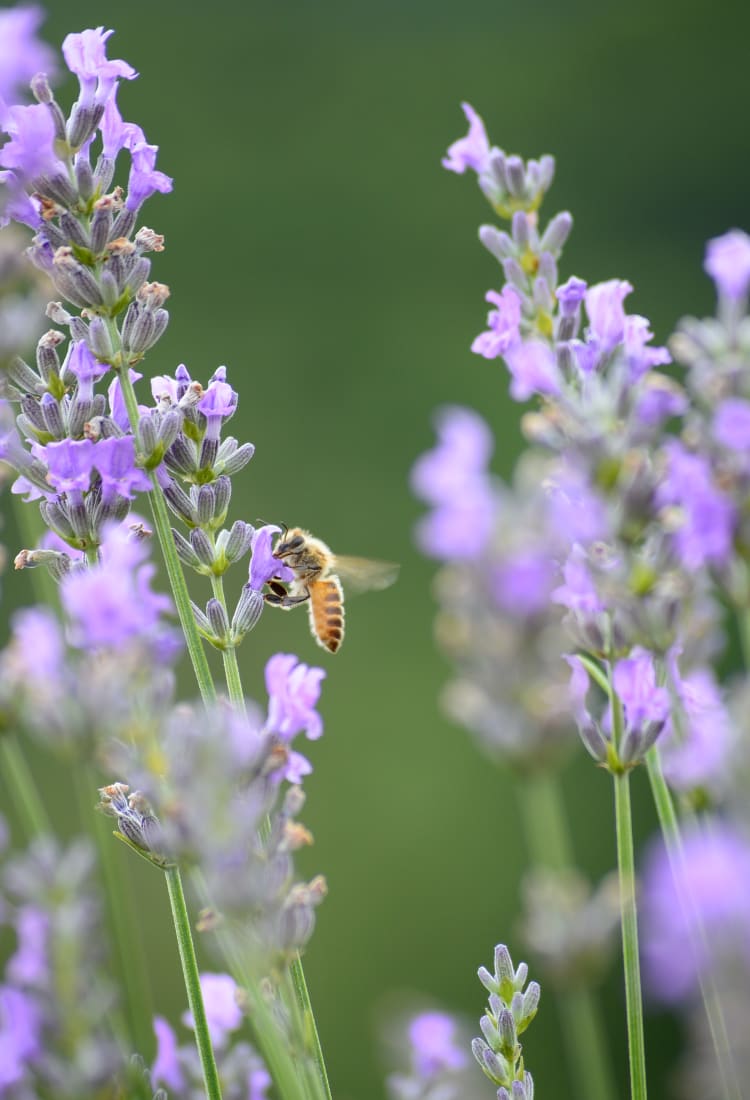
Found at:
[192, 982]
[631, 958]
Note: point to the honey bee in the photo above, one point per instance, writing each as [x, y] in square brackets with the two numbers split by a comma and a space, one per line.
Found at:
[317, 581]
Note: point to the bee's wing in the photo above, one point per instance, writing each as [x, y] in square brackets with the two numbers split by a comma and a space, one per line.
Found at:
[365, 574]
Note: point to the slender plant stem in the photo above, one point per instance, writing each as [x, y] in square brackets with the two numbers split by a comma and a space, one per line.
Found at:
[269, 1041]
[192, 983]
[549, 843]
[172, 562]
[629, 917]
[670, 828]
[23, 791]
[310, 1033]
[229, 656]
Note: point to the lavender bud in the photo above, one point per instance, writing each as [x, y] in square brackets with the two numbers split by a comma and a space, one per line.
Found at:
[84, 176]
[239, 541]
[514, 273]
[247, 613]
[56, 518]
[181, 457]
[556, 233]
[58, 188]
[594, 741]
[237, 458]
[496, 242]
[146, 435]
[498, 169]
[101, 226]
[169, 428]
[79, 520]
[99, 340]
[516, 176]
[20, 373]
[181, 504]
[51, 416]
[73, 230]
[40, 88]
[33, 413]
[209, 451]
[138, 275]
[74, 280]
[217, 617]
[201, 544]
[201, 621]
[104, 172]
[205, 505]
[520, 230]
[185, 552]
[530, 1005]
[47, 359]
[83, 122]
[137, 329]
[78, 416]
[110, 291]
[548, 271]
[124, 223]
[147, 240]
[542, 295]
[506, 1034]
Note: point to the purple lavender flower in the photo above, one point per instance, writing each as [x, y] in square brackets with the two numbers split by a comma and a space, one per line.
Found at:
[223, 1013]
[145, 179]
[263, 565]
[38, 645]
[453, 478]
[578, 592]
[604, 306]
[69, 464]
[86, 56]
[645, 704]
[728, 263]
[218, 403]
[701, 919]
[111, 603]
[81, 362]
[114, 458]
[472, 151]
[503, 324]
[30, 152]
[293, 693]
[534, 370]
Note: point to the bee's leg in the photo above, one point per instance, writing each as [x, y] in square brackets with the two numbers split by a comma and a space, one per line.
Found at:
[279, 597]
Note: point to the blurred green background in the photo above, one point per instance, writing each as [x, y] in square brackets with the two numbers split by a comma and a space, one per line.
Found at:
[316, 247]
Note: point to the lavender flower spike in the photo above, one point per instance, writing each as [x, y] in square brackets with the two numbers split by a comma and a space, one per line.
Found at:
[510, 1011]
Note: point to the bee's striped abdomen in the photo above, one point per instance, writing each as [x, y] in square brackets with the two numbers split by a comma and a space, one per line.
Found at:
[327, 612]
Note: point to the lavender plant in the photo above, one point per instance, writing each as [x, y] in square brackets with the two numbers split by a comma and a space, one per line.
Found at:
[616, 554]
[210, 790]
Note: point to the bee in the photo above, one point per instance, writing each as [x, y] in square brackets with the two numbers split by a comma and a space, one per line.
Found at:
[317, 581]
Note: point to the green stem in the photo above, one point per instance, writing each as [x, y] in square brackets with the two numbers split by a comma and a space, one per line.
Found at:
[192, 983]
[266, 1032]
[229, 656]
[743, 622]
[670, 828]
[629, 918]
[310, 1035]
[23, 791]
[550, 845]
[176, 576]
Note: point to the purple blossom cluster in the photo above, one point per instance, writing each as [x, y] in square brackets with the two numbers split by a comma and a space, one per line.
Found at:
[437, 1058]
[225, 798]
[623, 549]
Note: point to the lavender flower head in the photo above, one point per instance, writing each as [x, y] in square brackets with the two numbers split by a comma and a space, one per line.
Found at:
[437, 1053]
[22, 54]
